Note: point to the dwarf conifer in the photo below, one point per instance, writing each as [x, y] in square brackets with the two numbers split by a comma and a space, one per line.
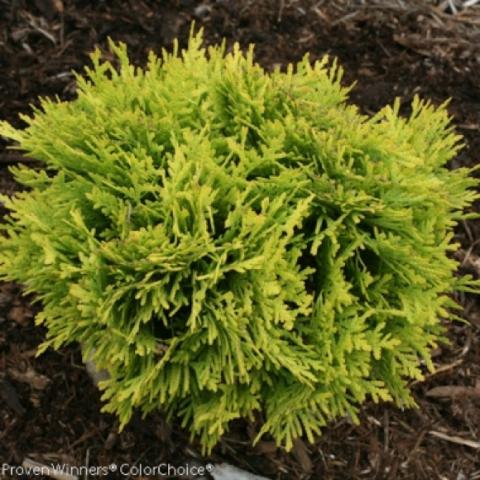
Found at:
[227, 241]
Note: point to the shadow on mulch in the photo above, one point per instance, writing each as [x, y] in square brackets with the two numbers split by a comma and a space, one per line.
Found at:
[50, 409]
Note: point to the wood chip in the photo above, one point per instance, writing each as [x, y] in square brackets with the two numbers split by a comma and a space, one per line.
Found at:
[470, 3]
[58, 5]
[301, 453]
[452, 391]
[265, 447]
[469, 260]
[34, 379]
[21, 315]
[455, 439]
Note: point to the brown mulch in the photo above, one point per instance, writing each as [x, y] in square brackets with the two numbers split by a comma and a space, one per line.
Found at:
[49, 408]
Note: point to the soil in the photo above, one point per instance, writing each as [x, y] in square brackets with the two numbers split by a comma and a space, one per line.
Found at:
[50, 409]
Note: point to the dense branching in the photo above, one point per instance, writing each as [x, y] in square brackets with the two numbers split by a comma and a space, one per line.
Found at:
[226, 241]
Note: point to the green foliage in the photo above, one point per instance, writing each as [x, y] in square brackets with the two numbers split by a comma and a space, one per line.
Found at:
[226, 241]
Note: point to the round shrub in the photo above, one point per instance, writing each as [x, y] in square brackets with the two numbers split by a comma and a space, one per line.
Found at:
[229, 242]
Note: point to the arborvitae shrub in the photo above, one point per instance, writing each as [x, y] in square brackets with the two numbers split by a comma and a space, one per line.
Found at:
[227, 241]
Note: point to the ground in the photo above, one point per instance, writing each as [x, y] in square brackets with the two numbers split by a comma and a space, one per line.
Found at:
[50, 410]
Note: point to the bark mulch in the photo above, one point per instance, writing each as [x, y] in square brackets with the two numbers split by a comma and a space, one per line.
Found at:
[49, 408]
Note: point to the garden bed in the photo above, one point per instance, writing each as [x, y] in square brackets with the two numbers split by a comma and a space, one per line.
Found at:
[49, 406]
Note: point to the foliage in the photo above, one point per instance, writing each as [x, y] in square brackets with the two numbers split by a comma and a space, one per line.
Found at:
[229, 242]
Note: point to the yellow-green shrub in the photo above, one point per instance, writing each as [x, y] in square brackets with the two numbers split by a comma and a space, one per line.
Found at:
[225, 240]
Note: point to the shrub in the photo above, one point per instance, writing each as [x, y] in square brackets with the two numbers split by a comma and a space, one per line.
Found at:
[229, 242]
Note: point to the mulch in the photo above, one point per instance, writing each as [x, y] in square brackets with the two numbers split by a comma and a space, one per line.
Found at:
[50, 410]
